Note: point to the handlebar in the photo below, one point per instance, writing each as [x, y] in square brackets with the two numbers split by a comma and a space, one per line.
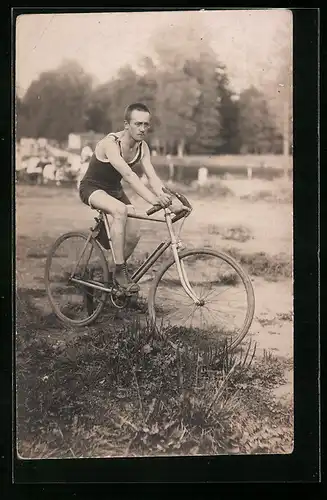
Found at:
[154, 209]
[181, 213]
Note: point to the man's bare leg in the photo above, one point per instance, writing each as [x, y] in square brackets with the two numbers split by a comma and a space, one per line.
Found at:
[118, 211]
[132, 237]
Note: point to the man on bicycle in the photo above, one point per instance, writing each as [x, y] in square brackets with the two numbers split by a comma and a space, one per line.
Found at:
[112, 161]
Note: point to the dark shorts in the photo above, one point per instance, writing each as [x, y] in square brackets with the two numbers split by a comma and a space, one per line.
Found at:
[86, 189]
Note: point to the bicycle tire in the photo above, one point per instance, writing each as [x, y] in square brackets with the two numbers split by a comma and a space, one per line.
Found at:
[224, 257]
[94, 315]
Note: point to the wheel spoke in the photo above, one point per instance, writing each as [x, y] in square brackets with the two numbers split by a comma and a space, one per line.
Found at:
[215, 315]
[190, 314]
[216, 281]
[72, 302]
[218, 312]
[219, 293]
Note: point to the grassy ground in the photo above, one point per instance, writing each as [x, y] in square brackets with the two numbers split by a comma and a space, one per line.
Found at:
[109, 390]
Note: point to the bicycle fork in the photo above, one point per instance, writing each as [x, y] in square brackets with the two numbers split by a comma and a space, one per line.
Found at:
[180, 265]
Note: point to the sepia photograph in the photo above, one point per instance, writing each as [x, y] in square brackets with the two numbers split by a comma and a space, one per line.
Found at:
[153, 178]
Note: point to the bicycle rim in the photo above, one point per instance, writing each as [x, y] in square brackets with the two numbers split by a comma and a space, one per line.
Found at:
[226, 292]
[75, 304]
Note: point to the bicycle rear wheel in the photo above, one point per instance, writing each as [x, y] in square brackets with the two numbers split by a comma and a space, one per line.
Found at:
[76, 304]
[224, 289]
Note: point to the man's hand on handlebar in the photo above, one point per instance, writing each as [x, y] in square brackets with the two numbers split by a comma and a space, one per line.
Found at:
[176, 207]
[164, 199]
[180, 207]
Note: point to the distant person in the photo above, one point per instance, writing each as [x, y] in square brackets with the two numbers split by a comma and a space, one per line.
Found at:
[34, 169]
[59, 173]
[20, 167]
[113, 161]
[49, 171]
[74, 161]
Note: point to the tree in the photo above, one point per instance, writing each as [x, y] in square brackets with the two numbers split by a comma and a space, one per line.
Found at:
[21, 121]
[258, 131]
[107, 102]
[207, 112]
[175, 102]
[193, 101]
[178, 90]
[279, 88]
[55, 103]
[230, 141]
[97, 112]
[127, 87]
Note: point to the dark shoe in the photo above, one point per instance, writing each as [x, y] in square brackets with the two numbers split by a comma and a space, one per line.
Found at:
[123, 280]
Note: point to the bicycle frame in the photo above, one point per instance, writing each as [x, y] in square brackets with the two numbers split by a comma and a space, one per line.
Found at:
[174, 242]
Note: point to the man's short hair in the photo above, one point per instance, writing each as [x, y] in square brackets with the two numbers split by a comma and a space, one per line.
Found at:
[137, 106]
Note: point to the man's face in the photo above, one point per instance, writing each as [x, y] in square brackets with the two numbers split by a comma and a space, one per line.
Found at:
[138, 125]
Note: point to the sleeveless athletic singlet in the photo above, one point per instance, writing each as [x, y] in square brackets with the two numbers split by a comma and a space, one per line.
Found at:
[103, 175]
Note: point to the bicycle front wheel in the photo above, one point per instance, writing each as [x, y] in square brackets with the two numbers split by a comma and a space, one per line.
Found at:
[76, 304]
[224, 291]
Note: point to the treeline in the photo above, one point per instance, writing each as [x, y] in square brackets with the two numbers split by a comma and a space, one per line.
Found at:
[188, 91]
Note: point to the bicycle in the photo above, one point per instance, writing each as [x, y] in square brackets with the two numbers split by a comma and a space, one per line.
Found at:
[182, 294]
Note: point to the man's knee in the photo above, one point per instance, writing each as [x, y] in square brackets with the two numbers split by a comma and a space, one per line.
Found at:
[119, 211]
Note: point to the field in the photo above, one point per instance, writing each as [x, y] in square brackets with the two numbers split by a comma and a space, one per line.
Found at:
[105, 390]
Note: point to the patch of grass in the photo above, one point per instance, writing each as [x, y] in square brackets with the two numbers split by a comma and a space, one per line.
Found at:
[236, 233]
[267, 321]
[270, 267]
[119, 391]
[268, 372]
[36, 254]
[30, 321]
[213, 187]
[35, 248]
[285, 316]
[282, 195]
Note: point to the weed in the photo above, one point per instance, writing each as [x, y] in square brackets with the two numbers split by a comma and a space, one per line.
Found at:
[235, 233]
[262, 264]
[283, 195]
[213, 187]
[285, 316]
[121, 391]
[266, 321]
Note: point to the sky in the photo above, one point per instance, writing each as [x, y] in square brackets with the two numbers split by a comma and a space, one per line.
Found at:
[244, 40]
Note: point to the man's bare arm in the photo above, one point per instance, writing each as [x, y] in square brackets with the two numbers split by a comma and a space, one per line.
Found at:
[112, 152]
